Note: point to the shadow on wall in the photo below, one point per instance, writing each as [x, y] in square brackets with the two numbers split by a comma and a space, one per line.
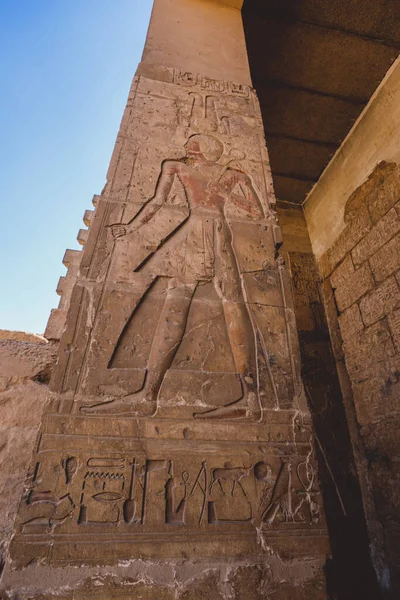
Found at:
[350, 573]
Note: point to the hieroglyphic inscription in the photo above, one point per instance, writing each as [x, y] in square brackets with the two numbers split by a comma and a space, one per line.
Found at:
[212, 85]
[153, 493]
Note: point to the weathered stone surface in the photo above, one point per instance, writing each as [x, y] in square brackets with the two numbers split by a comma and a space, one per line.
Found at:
[342, 272]
[381, 233]
[182, 579]
[384, 191]
[367, 293]
[369, 202]
[56, 324]
[381, 387]
[380, 302]
[386, 260]
[26, 362]
[355, 230]
[350, 323]
[258, 582]
[21, 336]
[204, 589]
[354, 287]
[367, 349]
[22, 409]
[394, 324]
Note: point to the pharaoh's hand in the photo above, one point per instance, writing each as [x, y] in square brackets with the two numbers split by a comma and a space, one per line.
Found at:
[118, 230]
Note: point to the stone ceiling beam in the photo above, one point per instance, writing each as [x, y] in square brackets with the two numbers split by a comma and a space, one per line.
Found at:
[314, 66]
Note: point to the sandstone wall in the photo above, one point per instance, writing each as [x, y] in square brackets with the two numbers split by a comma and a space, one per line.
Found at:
[26, 363]
[353, 219]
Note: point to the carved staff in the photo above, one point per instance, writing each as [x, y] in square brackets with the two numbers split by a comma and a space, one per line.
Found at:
[129, 508]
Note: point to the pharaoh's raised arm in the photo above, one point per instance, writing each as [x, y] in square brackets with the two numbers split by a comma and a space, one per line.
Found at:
[250, 201]
[147, 212]
[165, 181]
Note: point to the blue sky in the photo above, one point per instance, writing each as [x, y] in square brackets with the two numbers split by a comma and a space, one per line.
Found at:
[66, 67]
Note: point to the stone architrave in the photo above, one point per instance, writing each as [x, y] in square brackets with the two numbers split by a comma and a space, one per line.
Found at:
[178, 426]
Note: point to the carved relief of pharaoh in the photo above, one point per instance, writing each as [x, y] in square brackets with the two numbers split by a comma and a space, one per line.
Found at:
[199, 249]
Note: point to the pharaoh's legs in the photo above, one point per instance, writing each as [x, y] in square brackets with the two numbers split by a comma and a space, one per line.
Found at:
[169, 332]
[240, 329]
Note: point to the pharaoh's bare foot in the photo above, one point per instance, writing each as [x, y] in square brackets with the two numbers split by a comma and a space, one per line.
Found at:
[245, 408]
[139, 404]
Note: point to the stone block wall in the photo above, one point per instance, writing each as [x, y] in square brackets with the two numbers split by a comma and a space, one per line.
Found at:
[330, 403]
[352, 218]
[362, 274]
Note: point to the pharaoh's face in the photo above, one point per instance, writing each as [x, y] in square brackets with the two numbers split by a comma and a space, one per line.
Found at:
[192, 148]
[203, 148]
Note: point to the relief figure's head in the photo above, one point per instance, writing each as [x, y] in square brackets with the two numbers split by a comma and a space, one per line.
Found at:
[200, 146]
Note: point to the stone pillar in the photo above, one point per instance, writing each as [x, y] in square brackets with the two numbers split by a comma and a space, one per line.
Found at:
[175, 459]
